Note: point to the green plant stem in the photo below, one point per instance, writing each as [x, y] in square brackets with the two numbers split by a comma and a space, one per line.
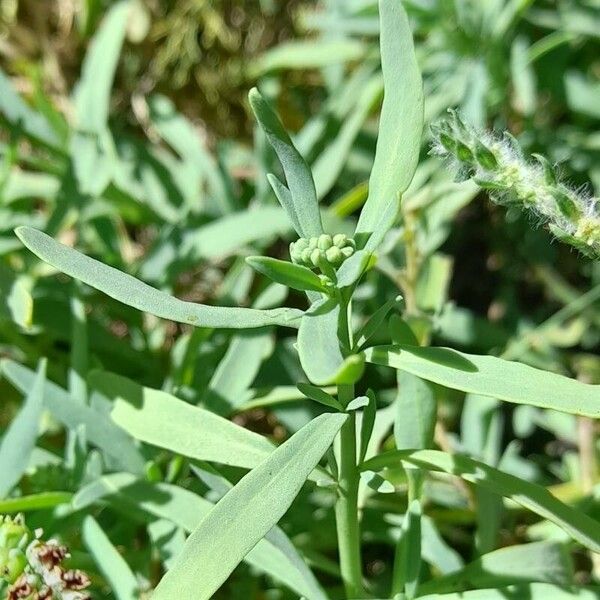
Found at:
[346, 508]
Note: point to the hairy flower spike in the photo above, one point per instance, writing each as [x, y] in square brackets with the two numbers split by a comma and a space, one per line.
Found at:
[34, 569]
[322, 251]
[497, 164]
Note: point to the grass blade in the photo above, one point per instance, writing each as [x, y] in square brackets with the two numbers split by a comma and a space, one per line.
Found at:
[111, 564]
[19, 440]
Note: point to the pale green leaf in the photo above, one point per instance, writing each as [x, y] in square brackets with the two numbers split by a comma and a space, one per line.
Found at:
[367, 424]
[229, 387]
[92, 96]
[541, 562]
[354, 268]
[287, 273]
[400, 125]
[16, 302]
[308, 55]
[160, 419]
[19, 440]
[99, 430]
[491, 376]
[415, 412]
[187, 510]
[284, 196]
[133, 292]
[375, 321]
[319, 395]
[319, 348]
[111, 564]
[305, 208]
[21, 116]
[218, 239]
[247, 513]
[407, 561]
[328, 166]
[534, 497]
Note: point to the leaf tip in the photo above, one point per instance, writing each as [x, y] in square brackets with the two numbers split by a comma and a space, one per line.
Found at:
[254, 97]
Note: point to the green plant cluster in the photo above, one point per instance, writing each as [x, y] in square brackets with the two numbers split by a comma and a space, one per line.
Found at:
[314, 365]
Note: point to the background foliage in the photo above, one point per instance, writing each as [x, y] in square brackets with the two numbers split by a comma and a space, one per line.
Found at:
[138, 148]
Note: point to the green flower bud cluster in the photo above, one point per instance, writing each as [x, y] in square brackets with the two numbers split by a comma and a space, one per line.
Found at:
[33, 568]
[324, 249]
[498, 165]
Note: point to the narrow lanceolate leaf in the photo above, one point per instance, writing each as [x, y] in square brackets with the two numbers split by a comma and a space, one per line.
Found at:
[319, 348]
[34, 502]
[546, 562]
[400, 125]
[407, 562]
[21, 435]
[230, 384]
[16, 111]
[133, 292]
[157, 418]
[354, 268]
[308, 54]
[534, 497]
[367, 424]
[415, 413]
[305, 207]
[99, 429]
[111, 564]
[287, 273]
[247, 513]
[98, 70]
[376, 320]
[319, 395]
[491, 376]
[287, 202]
[274, 554]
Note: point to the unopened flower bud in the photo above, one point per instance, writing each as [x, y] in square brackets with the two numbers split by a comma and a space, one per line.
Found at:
[334, 256]
[324, 241]
[340, 239]
[315, 257]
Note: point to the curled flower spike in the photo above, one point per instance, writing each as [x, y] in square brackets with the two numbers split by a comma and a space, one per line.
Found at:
[316, 251]
[34, 569]
[498, 165]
